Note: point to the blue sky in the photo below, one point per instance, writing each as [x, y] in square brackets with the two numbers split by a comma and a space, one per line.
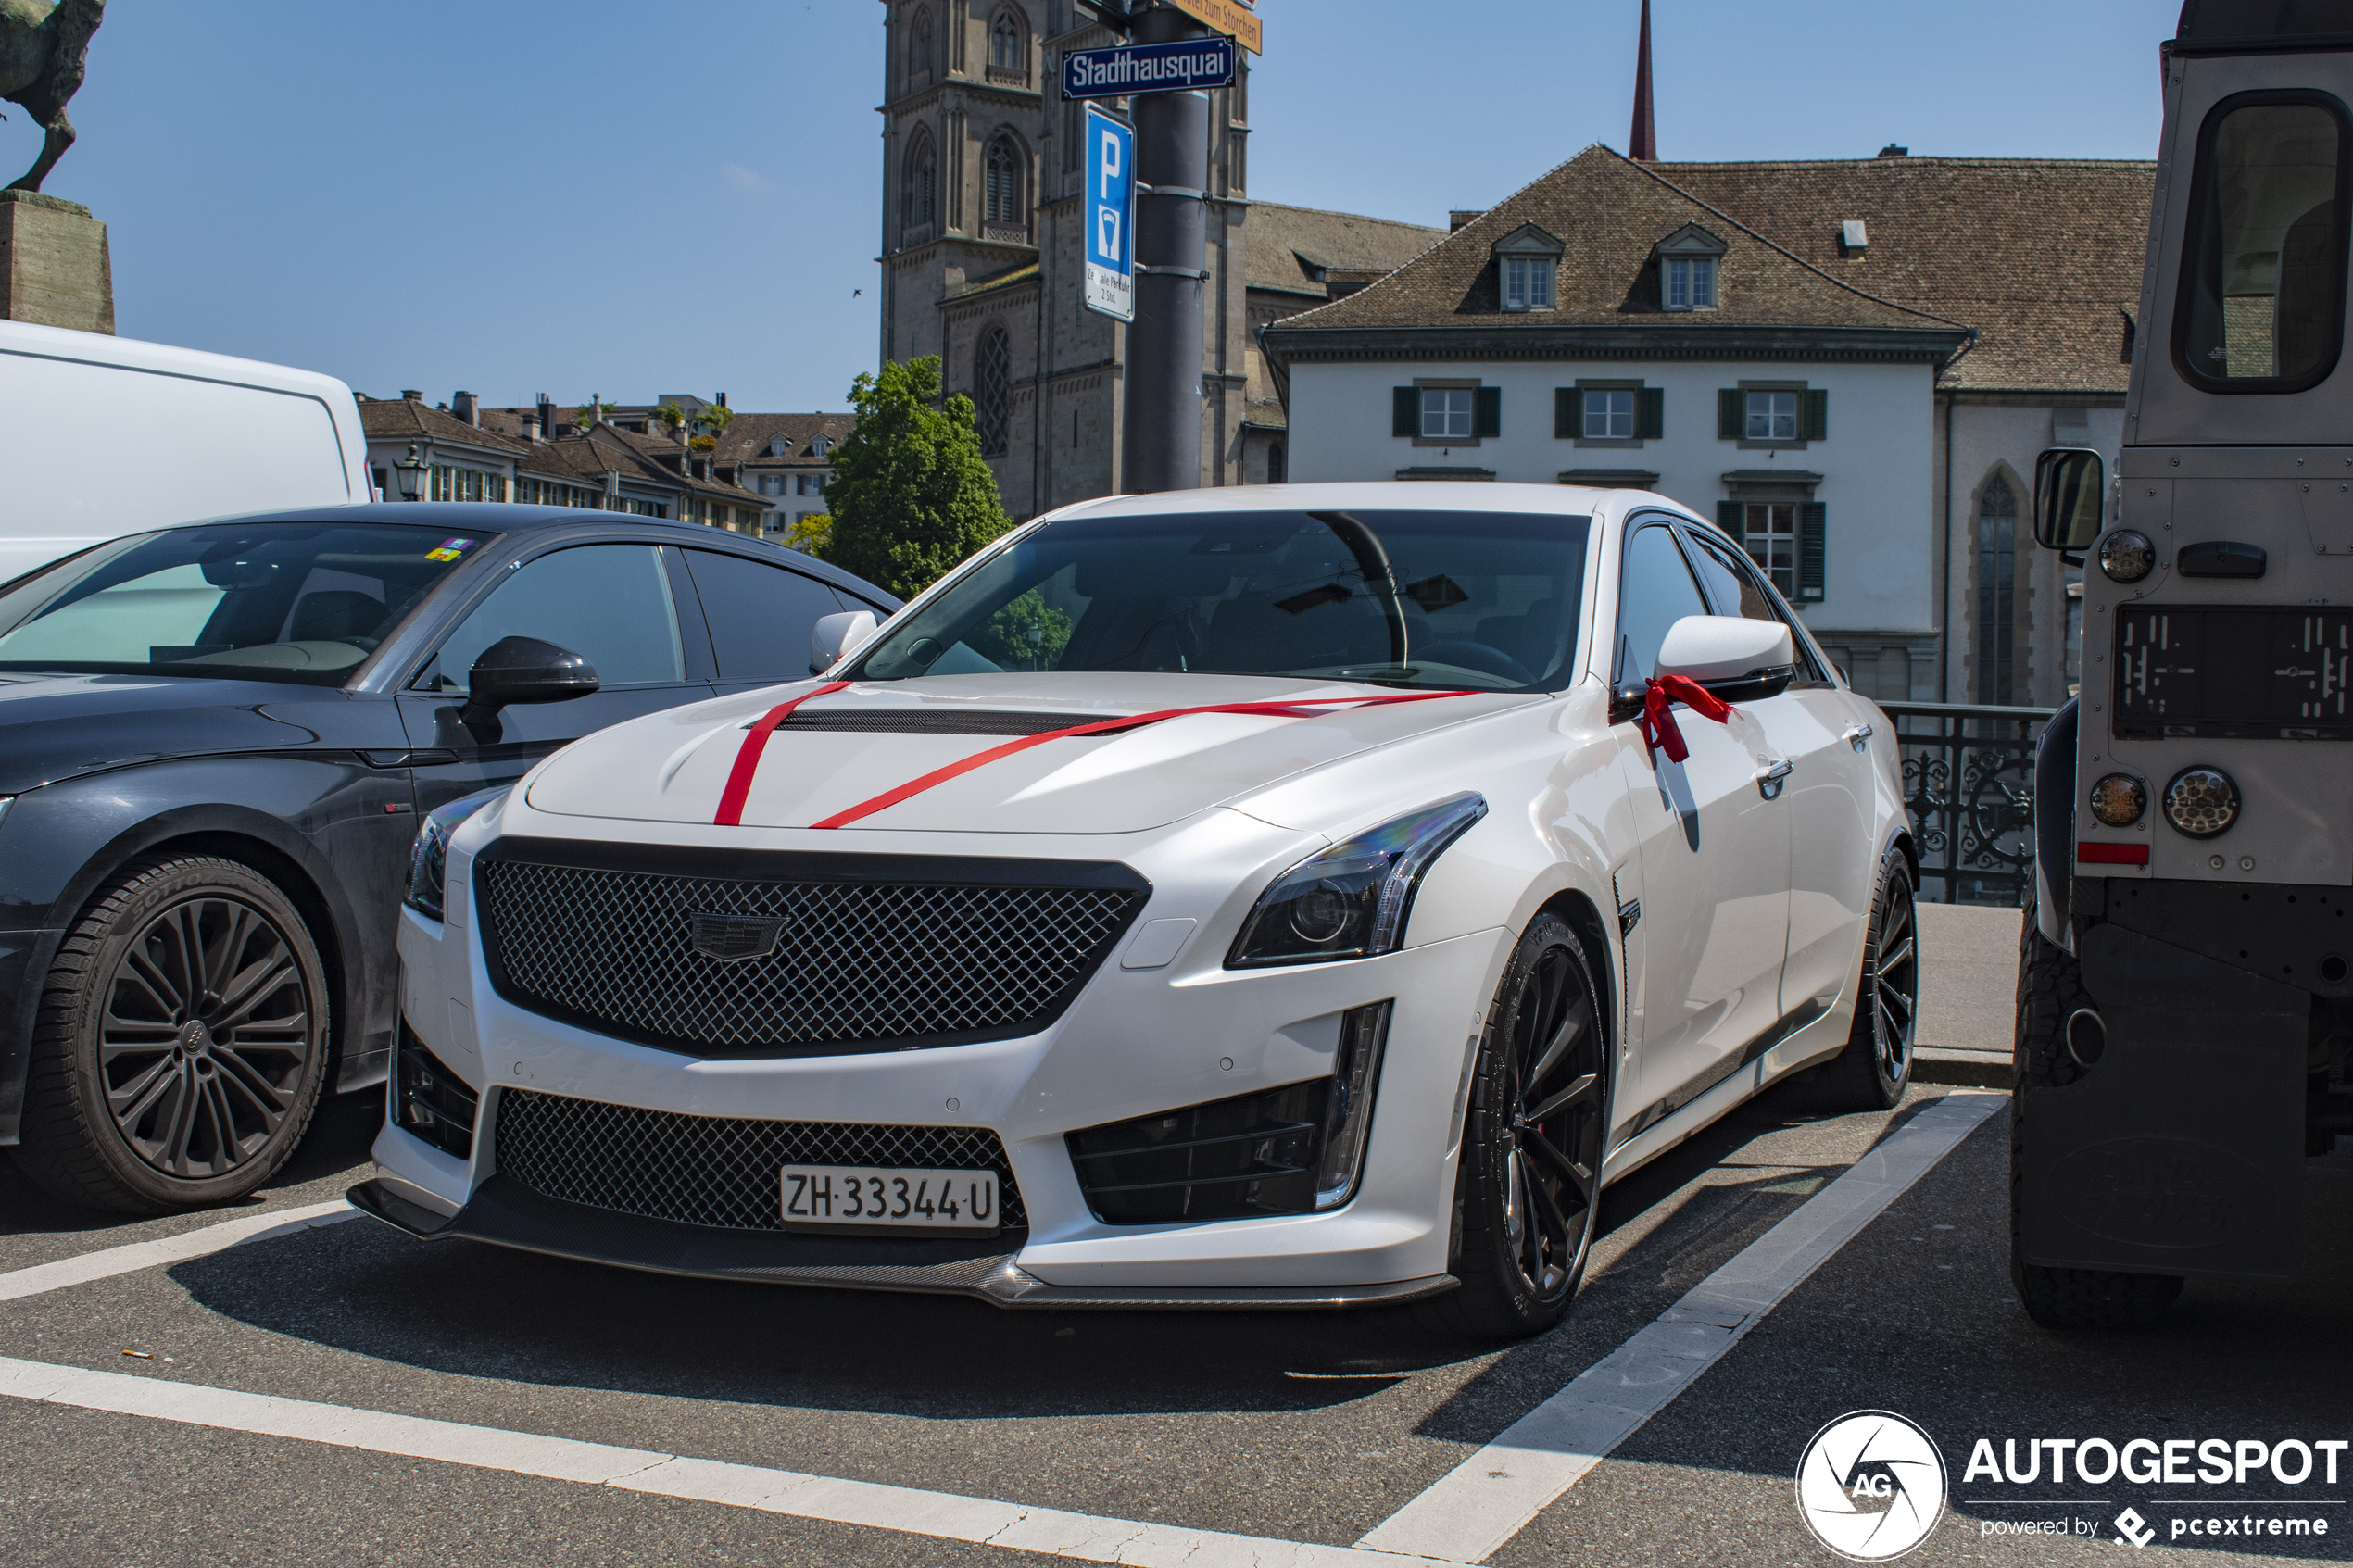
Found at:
[615, 197]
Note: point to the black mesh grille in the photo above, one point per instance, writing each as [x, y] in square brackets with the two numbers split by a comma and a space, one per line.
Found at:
[855, 964]
[720, 1171]
[926, 722]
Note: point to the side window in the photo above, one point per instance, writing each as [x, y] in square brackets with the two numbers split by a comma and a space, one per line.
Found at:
[760, 615]
[1656, 591]
[1733, 585]
[609, 603]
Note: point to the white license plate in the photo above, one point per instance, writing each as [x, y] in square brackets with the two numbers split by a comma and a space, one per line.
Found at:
[861, 1197]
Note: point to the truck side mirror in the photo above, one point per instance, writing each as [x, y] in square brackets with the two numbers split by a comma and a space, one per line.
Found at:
[2071, 499]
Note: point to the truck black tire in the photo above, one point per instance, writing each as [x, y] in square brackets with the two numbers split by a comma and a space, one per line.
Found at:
[182, 1041]
[1874, 1070]
[2050, 990]
[1535, 1128]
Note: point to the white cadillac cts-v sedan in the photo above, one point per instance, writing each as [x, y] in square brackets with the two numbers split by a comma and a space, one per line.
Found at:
[1306, 896]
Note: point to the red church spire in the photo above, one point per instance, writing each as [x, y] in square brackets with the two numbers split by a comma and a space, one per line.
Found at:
[1642, 141]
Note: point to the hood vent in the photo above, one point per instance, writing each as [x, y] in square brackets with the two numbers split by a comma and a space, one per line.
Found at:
[928, 722]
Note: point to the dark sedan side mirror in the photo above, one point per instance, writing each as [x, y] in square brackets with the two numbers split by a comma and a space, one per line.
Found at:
[2071, 499]
[522, 669]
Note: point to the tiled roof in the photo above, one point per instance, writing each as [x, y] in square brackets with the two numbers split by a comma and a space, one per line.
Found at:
[1609, 212]
[2042, 255]
[747, 439]
[1290, 247]
[588, 458]
[397, 418]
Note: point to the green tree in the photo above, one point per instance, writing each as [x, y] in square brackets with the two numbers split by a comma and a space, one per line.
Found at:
[716, 418]
[911, 493]
[672, 416]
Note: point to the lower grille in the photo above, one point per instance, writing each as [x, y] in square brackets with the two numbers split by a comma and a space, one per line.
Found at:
[1229, 1159]
[721, 1170]
[428, 1100]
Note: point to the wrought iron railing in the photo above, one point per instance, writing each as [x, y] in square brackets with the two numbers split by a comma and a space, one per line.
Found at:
[1968, 781]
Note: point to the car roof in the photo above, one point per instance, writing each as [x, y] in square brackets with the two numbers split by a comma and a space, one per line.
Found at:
[1574, 500]
[492, 517]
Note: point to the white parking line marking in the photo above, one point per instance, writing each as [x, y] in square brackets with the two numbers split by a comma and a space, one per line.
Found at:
[110, 1261]
[942, 1515]
[1490, 1496]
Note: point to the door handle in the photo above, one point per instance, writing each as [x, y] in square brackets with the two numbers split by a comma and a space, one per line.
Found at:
[1773, 777]
[1858, 736]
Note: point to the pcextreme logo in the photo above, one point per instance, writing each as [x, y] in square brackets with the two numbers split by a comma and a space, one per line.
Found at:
[1870, 1485]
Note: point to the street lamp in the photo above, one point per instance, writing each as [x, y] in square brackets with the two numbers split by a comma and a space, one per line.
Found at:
[410, 476]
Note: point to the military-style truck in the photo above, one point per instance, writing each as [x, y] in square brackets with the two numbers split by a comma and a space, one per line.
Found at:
[2185, 985]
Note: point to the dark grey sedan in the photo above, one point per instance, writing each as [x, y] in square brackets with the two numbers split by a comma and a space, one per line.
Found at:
[216, 744]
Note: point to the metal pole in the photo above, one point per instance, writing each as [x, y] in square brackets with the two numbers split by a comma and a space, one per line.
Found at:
[1165, 344]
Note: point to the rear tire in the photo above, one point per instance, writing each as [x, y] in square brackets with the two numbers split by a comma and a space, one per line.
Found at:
[1875, 1069]
[1527, 1187]
[181, 1041]
[2050, 990]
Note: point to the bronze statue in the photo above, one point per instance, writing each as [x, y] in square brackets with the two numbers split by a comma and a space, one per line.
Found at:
[42, 49]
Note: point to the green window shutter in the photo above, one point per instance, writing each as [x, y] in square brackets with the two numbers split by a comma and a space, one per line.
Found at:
[1811, 548]
[1728, 518]
[1650, 414]
[1564, 411]
[1406, 411]
[1814, 417]
[1730, 409]
[1487, 406]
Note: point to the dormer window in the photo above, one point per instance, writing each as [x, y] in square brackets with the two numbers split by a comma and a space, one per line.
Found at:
[1690, 282]
[1527, 261]
[1687, 266]
[821, 445]
[778, 446]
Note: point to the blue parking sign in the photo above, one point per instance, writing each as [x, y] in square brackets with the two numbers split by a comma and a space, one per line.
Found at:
[1111, 216]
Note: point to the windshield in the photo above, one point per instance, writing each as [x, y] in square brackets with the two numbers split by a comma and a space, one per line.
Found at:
[287, 601]
[1486, 601]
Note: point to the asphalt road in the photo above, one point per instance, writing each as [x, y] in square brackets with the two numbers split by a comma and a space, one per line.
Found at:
[1286, 1428]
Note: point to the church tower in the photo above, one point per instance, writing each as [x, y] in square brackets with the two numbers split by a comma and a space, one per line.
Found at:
[981, 258]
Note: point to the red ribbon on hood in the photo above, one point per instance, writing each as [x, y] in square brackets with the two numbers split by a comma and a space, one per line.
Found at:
[1658, 712]
[731, 803]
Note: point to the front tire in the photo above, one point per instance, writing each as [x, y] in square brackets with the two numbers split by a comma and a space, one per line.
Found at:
[2050, 990]
[181, 1041]
[1528, 1189]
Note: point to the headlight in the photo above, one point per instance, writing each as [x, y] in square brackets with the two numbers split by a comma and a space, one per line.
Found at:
[2201, 802]
[2119, 800]
[2127, 555]
[1351, 901]
[429, 856]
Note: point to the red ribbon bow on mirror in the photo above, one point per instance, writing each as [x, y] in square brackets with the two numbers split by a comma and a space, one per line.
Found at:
[1658, 711]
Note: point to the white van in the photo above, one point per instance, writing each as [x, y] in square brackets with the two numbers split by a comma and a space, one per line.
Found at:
[102, 437]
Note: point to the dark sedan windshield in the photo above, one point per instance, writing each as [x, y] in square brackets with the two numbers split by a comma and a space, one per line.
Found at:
[283, 601]
[1482, 600]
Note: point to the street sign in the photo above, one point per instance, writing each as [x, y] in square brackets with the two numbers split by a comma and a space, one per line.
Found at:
[1147, 68]
[1231, 16]
[1110, 163]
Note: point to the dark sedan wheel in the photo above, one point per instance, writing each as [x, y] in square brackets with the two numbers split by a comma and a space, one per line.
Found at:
[181, 1044]
[1876, 1066]
[1533, 1135]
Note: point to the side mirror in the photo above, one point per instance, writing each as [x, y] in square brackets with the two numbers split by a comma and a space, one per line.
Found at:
[524, 669]
[2071, 499]
[1730, 655]
[836, 637]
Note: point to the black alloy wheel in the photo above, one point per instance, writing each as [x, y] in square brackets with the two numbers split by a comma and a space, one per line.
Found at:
[1876, 1066]
[1528, 1187]
[181, 1044]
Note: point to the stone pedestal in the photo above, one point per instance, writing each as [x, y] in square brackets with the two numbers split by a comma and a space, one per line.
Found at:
[54, 269]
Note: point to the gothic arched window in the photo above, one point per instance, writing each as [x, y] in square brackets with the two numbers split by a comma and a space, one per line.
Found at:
[1998, 594]
[919, 186]
[1007, 48]
[1278, 472]
[993, 390]
[919, 48]
[1005, 181]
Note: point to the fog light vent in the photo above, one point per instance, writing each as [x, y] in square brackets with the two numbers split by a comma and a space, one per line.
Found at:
[1293, 1150]
[428, 1100]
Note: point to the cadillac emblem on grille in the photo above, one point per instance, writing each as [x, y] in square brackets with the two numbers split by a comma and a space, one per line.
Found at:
[732, 938]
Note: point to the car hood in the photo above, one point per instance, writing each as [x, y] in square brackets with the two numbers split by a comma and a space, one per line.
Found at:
[55, 727]
[675, 767]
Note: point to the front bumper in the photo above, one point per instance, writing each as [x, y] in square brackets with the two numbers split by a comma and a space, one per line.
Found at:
[1135, 1043]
